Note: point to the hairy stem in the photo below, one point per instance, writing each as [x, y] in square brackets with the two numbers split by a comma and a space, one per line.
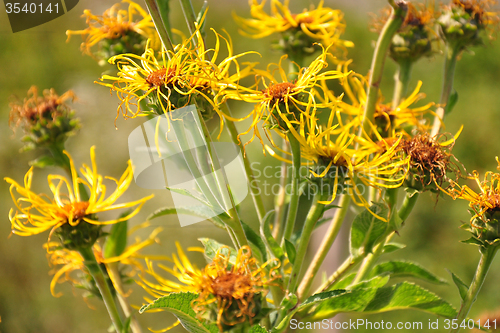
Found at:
[294, 195]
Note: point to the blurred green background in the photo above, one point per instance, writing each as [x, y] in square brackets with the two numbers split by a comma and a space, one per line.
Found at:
[40, 56]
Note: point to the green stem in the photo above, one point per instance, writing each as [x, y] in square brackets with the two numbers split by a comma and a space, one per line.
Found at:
[98, 276]
[281, 201]
[407, 205]
[450, 61]
[343, 269]
[487, 256]
[402, 79]
[189, 15]
[325, 246]
[127, 309]
[314, 214]
[294, 195]
[160, 26]
[252, 180]
[397, 17]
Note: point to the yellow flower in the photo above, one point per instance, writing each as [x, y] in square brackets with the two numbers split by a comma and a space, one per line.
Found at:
[321, 24]
[115, 24]
[388, 119]
[222, 285]
[340, 157]
[282, 103]
[36, 213]
[182, 77]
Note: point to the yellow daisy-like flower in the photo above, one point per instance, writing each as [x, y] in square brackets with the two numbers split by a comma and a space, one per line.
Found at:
[321, 24]
[282, 103]
[187, 75]
[233, 289]
[340, 157]
[388, 119]
[36, 213]
[117, 24]
[65, 261]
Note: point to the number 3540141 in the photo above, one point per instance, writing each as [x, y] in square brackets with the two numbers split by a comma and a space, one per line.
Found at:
[31, 8]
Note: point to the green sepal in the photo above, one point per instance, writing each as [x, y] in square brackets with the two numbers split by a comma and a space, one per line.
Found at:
[43, 162]
[290, 251]
[367, 229]
[462, 287]
[199, 211]
[452, 101]
[391, 247]
[212, 247]
[116, 241]
[272, 244]
[180, 305]
[256, 243]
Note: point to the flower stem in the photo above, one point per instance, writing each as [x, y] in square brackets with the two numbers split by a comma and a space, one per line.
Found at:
[314, 214]
[252, 180]
[487, 256]
[281, 200]
[294, 195]
[325, 246]
[160, 26]
[98, 276]
[399, 9]
[189, 15]
[402, 79]
[450, 61]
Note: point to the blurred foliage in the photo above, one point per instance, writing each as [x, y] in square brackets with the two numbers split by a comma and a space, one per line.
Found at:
[40, 56]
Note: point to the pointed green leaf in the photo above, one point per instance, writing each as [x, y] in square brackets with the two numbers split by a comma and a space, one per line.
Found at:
[189, 194]
[405, 269]
[401, 296]
[290, 251]
[44, 161]
[375, 282]
[116, 241]
[462, 287]
[367, 229]
[212, 246]
[257, 329]
[258, 247]
[473, 241]
[180, 305]
[200, 211]
[452, 101]
[391, 247]
[265, 231]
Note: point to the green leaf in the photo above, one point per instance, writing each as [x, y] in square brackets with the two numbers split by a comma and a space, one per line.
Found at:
[473, 241]
[367, 229]
[405, 269]
[452, 101]
[375, 282]
[391, 247]
[126, 325]
[180, 305]
[462, 287]
[257, 329]
[189, 194]
[401, 296]
[256, 243]
[116, 242]
[212, 246]
[290, 251]
[200, 211]
[44, 161]
[265, 231]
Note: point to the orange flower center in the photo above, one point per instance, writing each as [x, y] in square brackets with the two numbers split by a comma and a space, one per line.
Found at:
[76, 209]
[279, 91]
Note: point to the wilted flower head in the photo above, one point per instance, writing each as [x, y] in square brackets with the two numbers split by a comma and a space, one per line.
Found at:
[69, 213]
[46, 120]
[299, 31]
[229, 292]
[431, 162]
[117, 31]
